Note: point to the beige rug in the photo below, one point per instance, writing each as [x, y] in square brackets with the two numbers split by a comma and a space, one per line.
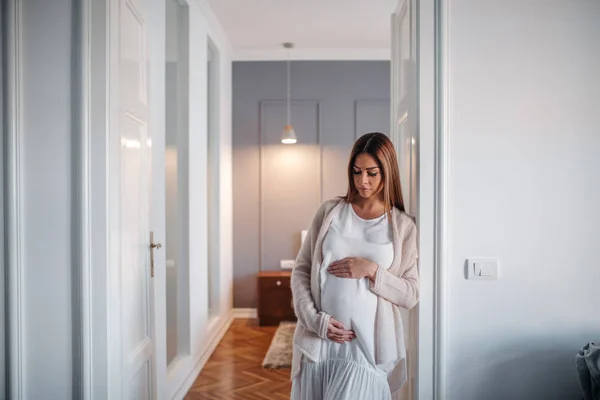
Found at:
[279, 354]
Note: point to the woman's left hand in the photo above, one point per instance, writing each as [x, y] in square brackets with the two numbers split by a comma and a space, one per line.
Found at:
[353, 267]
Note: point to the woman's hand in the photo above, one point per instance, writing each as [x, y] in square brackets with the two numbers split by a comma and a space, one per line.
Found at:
[337, 332]
[353, 267]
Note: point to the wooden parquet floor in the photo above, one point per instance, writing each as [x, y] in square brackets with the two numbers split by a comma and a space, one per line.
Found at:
[234, 371]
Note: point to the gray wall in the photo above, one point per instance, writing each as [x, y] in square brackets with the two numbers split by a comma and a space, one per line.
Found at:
[276, 187]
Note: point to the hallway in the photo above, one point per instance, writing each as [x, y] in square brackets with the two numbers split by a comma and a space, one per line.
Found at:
[234, 370]
[149, 180]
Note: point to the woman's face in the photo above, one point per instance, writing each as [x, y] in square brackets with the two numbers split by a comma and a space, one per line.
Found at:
[367, 176]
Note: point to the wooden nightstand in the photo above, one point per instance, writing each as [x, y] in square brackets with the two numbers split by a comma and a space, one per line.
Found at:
[274, 297]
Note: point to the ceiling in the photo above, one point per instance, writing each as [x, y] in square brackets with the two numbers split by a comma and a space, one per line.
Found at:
[263, 25]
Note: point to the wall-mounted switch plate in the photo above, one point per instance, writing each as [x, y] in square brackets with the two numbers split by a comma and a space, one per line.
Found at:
[482, 268]
[287, 264]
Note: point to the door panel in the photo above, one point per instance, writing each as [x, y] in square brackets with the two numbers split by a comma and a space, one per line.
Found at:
[135, 228]
[135, 178]
[140, 383]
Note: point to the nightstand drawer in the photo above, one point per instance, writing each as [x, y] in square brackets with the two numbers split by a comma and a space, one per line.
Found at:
[274, 283]
[274, 298]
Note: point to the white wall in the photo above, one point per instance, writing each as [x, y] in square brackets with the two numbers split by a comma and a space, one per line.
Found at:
[523, 101]
[225, 166]
[203, 24]
[48, 210]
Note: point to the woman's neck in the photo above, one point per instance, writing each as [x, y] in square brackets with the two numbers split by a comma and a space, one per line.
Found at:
[371, 203]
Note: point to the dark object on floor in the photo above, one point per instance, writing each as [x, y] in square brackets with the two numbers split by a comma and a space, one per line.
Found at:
[588, 368]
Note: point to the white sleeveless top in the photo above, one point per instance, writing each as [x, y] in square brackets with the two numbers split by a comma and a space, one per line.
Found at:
[349, 300]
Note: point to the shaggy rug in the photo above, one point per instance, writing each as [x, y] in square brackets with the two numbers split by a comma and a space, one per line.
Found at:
[279, 354]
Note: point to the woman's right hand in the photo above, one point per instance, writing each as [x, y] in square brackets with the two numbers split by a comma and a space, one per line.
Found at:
[337, 332]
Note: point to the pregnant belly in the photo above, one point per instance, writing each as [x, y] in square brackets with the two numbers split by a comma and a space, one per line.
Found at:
[350, 301]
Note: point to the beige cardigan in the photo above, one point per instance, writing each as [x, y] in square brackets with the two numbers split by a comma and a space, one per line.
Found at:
[395, 287]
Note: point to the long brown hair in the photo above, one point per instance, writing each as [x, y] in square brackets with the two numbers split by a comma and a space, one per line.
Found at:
[381, 148]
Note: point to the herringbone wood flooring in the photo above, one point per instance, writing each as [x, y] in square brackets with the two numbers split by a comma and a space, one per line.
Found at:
[234, 371]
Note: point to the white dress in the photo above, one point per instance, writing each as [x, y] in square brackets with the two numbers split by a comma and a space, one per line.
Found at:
[348, 371]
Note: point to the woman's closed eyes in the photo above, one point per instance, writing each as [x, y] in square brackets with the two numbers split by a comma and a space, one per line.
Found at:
[368, 173]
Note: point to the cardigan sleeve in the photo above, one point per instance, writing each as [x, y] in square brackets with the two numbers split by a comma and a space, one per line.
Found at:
[304, 304]
[401, 290]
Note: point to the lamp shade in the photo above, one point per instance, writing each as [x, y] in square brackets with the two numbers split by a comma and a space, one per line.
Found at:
[289, 135]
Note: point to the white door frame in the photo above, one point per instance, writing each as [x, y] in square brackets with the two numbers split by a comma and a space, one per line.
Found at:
[85, 197]
[14, 215]
[96, 351]
[432, 190]
[3, 323]
[432, 215]
[404, 134]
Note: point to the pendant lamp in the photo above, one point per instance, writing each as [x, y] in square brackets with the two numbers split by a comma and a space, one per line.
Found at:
[288, 136]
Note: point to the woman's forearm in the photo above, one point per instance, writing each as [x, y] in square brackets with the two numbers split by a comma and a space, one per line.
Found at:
[402, 291]
[304, 304]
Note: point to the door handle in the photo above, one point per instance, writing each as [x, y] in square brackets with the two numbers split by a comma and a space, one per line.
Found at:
[152, 247]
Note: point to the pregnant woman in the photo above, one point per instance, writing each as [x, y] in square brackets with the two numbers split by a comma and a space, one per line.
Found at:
[357, 266]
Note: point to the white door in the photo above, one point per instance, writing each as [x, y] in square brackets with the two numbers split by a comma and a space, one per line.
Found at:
[139, 348]
[405, 137]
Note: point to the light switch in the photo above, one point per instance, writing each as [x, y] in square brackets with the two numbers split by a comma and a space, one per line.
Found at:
[482, 269]
[287, 264]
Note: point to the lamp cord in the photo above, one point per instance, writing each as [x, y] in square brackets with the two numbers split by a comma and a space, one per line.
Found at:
[289, 111]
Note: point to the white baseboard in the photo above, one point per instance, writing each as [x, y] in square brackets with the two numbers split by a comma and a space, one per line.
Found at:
[245, 313]
[201, 361]
[220, 330]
